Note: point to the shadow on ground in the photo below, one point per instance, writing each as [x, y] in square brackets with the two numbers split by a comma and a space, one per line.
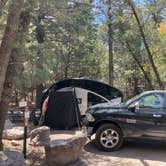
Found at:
[137, 149]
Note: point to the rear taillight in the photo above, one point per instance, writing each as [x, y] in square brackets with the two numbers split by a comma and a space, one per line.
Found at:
[45, 104]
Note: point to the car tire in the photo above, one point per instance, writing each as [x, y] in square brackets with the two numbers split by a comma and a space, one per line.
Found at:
[108, 137]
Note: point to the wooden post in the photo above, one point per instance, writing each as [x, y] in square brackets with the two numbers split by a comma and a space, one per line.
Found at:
[26, 119]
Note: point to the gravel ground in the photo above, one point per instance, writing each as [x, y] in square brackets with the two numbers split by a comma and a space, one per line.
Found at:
[133, 153]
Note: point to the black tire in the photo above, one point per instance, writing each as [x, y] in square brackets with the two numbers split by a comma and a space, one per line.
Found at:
[105, 128]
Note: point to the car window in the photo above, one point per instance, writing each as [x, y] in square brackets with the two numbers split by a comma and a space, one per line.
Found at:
[94, 99]
[151, 101]
[130, 102]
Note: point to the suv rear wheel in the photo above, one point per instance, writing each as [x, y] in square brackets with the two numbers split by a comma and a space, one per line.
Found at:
[109, 137]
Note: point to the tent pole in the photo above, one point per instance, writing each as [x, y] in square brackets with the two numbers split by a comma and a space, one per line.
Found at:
[77, 109]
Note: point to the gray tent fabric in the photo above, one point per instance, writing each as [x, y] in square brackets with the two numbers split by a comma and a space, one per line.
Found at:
[62, 112]
[100, 88]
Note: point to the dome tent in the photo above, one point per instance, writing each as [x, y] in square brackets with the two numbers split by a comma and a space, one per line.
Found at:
[62, 112]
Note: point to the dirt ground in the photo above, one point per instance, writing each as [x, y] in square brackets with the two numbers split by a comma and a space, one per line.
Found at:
[133, 153]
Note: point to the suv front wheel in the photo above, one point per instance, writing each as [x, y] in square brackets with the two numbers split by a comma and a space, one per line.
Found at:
[109, 137]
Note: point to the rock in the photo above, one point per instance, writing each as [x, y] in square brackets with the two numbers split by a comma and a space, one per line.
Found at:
[3, 156]
[64, 152]
[3, 159]
[8, 124]
[15, 133]
[40, 136]
[11, 158]
[15, 143]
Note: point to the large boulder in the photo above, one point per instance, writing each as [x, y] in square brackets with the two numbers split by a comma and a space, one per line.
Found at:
[15, 143]
[11, 158]
[14, 133]
[64, 152]
[40, 136]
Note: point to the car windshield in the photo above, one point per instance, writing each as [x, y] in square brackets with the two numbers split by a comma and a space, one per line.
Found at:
[132, 99]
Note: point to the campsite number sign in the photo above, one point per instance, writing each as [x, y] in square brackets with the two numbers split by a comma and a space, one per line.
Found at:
[23, 104]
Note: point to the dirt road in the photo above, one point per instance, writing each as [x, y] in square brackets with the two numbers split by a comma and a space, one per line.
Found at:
[133, 153]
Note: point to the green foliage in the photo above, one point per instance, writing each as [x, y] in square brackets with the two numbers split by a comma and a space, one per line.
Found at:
[64, 40]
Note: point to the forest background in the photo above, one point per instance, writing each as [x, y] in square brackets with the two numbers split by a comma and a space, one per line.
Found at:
[120, 42]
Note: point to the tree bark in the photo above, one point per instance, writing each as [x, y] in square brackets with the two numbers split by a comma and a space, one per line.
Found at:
[110, 46]
[161, 85]
[6, 94]
[5, 51]
[11, 71]
[8, 39]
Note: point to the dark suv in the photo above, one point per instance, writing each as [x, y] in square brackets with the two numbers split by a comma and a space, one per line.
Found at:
[141, 116]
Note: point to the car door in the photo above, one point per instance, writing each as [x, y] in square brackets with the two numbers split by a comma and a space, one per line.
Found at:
[150, 115]
[161, 118]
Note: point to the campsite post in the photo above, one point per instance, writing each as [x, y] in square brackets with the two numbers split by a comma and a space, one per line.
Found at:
[26, 118]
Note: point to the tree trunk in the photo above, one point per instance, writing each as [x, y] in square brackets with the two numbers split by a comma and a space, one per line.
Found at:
[16, 97]
[8, 39]
[11, 71]
[161, 85]
[110, 46]
[6, 95]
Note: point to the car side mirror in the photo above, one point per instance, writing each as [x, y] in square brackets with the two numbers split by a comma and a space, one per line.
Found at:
[137, 106]
[134, 107]
[131, 108]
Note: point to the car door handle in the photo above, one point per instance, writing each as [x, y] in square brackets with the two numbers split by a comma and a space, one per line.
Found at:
[157, 115]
